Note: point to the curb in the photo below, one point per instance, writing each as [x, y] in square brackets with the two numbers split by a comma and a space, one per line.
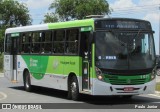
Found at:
[157, 93]
[2, 96]
[1, 74]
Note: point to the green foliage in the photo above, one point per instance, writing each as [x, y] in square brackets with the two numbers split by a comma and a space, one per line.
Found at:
[1, 62]
[1, 39]
[12, 13]
[50, 18]
[78, 9]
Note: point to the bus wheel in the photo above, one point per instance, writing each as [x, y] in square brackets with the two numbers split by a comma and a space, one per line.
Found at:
[73, 92]
[27, 81]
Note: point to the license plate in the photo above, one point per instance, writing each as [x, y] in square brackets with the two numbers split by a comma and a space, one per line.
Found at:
[126, 89]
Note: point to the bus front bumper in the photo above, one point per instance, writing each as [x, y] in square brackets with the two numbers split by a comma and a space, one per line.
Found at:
[103, 88]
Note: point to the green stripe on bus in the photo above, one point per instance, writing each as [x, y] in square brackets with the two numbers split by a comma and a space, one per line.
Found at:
[40, 65]
[128, 79]
[71, 24]
[37, 65]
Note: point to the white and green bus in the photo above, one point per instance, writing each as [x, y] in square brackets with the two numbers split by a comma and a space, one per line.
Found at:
[103, 56]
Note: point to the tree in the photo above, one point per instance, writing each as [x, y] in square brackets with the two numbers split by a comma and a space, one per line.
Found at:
[78, 9]
[50, 18]
[12, 13]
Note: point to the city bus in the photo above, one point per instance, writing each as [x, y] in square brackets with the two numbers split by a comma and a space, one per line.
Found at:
[94, 56]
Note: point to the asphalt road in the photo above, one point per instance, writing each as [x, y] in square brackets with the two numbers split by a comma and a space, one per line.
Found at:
[14, 93]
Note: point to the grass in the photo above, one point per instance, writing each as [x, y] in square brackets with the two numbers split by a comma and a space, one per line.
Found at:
[158, 86]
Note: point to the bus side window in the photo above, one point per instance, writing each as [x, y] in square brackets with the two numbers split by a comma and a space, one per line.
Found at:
[58, 43]
[36, 42]
[22, 43]
[42, 40]
[47, 41]
[25, 43]
[72, 41]
[19, 44]
[8, 44]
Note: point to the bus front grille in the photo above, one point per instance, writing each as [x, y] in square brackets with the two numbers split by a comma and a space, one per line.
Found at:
[116, 81]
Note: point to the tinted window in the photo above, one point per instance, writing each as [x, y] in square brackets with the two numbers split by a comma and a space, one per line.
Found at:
[124, 51]
[26, 38]
[36, 39]
[72, 41]
[46, 42]
[8, 44]
[59, 39]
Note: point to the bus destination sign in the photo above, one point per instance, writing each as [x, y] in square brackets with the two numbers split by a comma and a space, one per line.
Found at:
[121, 24]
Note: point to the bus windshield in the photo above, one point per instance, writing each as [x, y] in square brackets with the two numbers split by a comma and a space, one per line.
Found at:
[125, 50]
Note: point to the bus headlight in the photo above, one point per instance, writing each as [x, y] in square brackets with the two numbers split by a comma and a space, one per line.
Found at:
[99, 74]
[153, 75]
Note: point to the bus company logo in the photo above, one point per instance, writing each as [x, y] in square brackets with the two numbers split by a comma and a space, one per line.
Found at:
[33, 62]
[55, 64]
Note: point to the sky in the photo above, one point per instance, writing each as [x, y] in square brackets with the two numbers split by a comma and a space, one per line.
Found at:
[139, 9]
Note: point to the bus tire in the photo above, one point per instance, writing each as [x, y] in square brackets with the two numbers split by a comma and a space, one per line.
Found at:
[27, 81]
[73, 90]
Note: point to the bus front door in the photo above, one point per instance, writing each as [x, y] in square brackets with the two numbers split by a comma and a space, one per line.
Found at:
[10, 57]
[14, 59]
[86, 76]
[85, 50]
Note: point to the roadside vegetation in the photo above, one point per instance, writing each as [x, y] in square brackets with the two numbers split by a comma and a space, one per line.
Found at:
[65, 10]
[1, 62]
